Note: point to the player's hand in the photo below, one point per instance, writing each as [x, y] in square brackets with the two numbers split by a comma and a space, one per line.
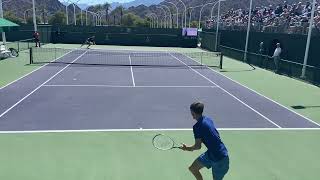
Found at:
[183, 147]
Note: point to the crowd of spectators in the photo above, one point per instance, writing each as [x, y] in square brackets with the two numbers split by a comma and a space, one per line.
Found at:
[283, 18]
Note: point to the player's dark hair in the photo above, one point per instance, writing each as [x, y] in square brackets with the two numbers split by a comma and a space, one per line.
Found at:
[197, 107]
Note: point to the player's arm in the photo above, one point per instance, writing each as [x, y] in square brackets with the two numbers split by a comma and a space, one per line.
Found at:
[196, 146]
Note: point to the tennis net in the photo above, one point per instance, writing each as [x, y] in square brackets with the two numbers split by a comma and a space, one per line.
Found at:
[22, 45]
[124, 58]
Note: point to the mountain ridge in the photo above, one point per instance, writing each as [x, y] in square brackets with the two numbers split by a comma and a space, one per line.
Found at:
[135, 3]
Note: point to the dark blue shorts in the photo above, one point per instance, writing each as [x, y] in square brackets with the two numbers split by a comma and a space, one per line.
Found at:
[219, 169]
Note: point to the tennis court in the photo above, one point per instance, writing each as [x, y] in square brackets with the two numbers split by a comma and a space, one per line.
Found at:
[124, 98]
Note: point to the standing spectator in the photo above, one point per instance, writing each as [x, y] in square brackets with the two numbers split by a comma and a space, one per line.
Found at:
[36, 36]
[262, 52]
[276, 57]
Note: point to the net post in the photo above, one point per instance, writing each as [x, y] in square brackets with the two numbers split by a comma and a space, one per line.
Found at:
[201, 54]
[18, 46]
[31, 56]
[221, 61]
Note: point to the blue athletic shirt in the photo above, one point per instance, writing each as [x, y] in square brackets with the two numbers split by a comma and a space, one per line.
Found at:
[205, 130]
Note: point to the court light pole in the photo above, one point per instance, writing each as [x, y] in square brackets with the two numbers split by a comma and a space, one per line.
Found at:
[81, 19]
[214, 3]
[170, 15]
[95, 17]
[25, 14]
[306, 55]
[67, 18]
[157, 18]
[190, 13]
[219, 7]
[151, 24]
[151, 21]
[248, 33]
[92, 16]
[34, 16]
[74, 12]
[165, 16]
[87, 17]
[101, 14]
[67, 14]
[177, 10]
[218, 22]
[4, 41]
[185, 13]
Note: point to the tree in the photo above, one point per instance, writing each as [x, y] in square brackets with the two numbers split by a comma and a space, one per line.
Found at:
[194, 24]
[118, 13]
[129, 19]
[134, 20]
[121, 14]
[58, 18]
[43, 14]
[142, 23]
[148, 21]
[9, 15]
[107, 6]
[30, 20]
[78, 16]
[96, 8]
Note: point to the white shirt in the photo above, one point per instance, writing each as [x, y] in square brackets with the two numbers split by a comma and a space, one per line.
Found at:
[277, 52]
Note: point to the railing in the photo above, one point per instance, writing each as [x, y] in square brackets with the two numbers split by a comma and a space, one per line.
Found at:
[289, 68]
[296, 28]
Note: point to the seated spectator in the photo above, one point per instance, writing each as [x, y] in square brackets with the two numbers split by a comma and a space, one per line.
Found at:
[317, 19]
[293, 10]
[284, 18]
[278, 10]
[285, 5]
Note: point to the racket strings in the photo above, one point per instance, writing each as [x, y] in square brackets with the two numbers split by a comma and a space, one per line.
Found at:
[163, 142]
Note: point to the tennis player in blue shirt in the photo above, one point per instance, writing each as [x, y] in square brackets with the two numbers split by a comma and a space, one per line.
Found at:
[216, 157]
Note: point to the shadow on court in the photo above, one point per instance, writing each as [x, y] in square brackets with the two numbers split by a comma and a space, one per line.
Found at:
[304, 107]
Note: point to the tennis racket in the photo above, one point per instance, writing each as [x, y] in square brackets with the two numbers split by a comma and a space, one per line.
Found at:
[163, 142]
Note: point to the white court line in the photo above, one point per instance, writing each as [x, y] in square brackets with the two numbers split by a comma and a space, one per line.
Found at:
[33, 71]
[5, 112]
[128, 51]
[132, 76]
[113, 86]
[154, 130]
[217, 72]
[228, 93]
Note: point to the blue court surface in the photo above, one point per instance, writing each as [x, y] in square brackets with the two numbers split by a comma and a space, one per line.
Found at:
[75, 96]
